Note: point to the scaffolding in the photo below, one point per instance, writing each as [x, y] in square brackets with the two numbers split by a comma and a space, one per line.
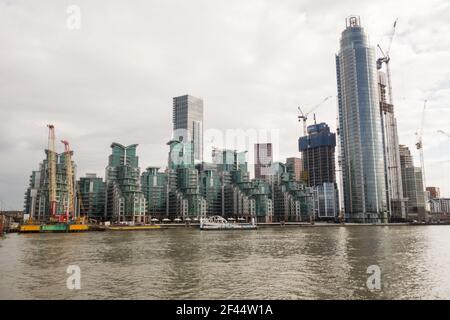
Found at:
[38, 197]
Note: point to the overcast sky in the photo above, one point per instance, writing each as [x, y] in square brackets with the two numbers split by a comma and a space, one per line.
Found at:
[253, 62]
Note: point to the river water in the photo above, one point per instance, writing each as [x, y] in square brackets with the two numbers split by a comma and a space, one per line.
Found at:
[268, 263]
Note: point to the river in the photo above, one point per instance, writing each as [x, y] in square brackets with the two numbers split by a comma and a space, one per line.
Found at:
[268, 263]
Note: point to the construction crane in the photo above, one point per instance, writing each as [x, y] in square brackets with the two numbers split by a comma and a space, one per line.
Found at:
[445, 133]
[419, 144]
[304, 116]
[70, 208]
[52, 171]
[386, 59]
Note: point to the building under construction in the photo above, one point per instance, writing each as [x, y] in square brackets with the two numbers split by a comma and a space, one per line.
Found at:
[318, 148]
[394, 188]
[318, 158]
[51, 194]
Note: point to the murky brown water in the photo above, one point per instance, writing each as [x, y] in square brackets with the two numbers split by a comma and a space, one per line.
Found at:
[269, 263]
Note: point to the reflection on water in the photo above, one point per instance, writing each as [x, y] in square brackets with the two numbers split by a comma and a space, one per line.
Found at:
[272, 263]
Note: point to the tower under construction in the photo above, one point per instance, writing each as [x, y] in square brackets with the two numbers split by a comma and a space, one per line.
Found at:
[50, 195]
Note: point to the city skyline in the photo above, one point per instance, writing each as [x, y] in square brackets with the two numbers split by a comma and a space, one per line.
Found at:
[89, 113]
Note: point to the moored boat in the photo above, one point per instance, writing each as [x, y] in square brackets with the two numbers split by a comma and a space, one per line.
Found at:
[219, 223]
[29, 228]
[78, 227]
[32, 227]
[59, 227]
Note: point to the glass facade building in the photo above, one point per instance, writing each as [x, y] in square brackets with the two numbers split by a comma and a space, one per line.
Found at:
[188, 123]
[124, 198]
[91, 193]
[413, 189]
[360, 130]
[294, 168]
[326, 203]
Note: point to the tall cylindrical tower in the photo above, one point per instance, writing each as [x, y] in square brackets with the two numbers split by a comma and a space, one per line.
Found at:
[360, 130]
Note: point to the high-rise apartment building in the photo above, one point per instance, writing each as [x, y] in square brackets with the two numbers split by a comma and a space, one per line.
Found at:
[294, 167]
[413, 189]
[125, 201]
[154, 187]
[360, 129]
[263, 161]
[91, 196]
[188, 123]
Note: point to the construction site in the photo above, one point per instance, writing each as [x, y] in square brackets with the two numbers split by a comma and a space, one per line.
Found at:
[50, 200]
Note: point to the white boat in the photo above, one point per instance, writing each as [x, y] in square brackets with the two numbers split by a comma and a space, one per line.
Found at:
[219, 223]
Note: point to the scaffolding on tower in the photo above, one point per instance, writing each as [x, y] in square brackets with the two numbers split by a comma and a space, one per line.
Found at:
[52, 171]
[70, 207]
